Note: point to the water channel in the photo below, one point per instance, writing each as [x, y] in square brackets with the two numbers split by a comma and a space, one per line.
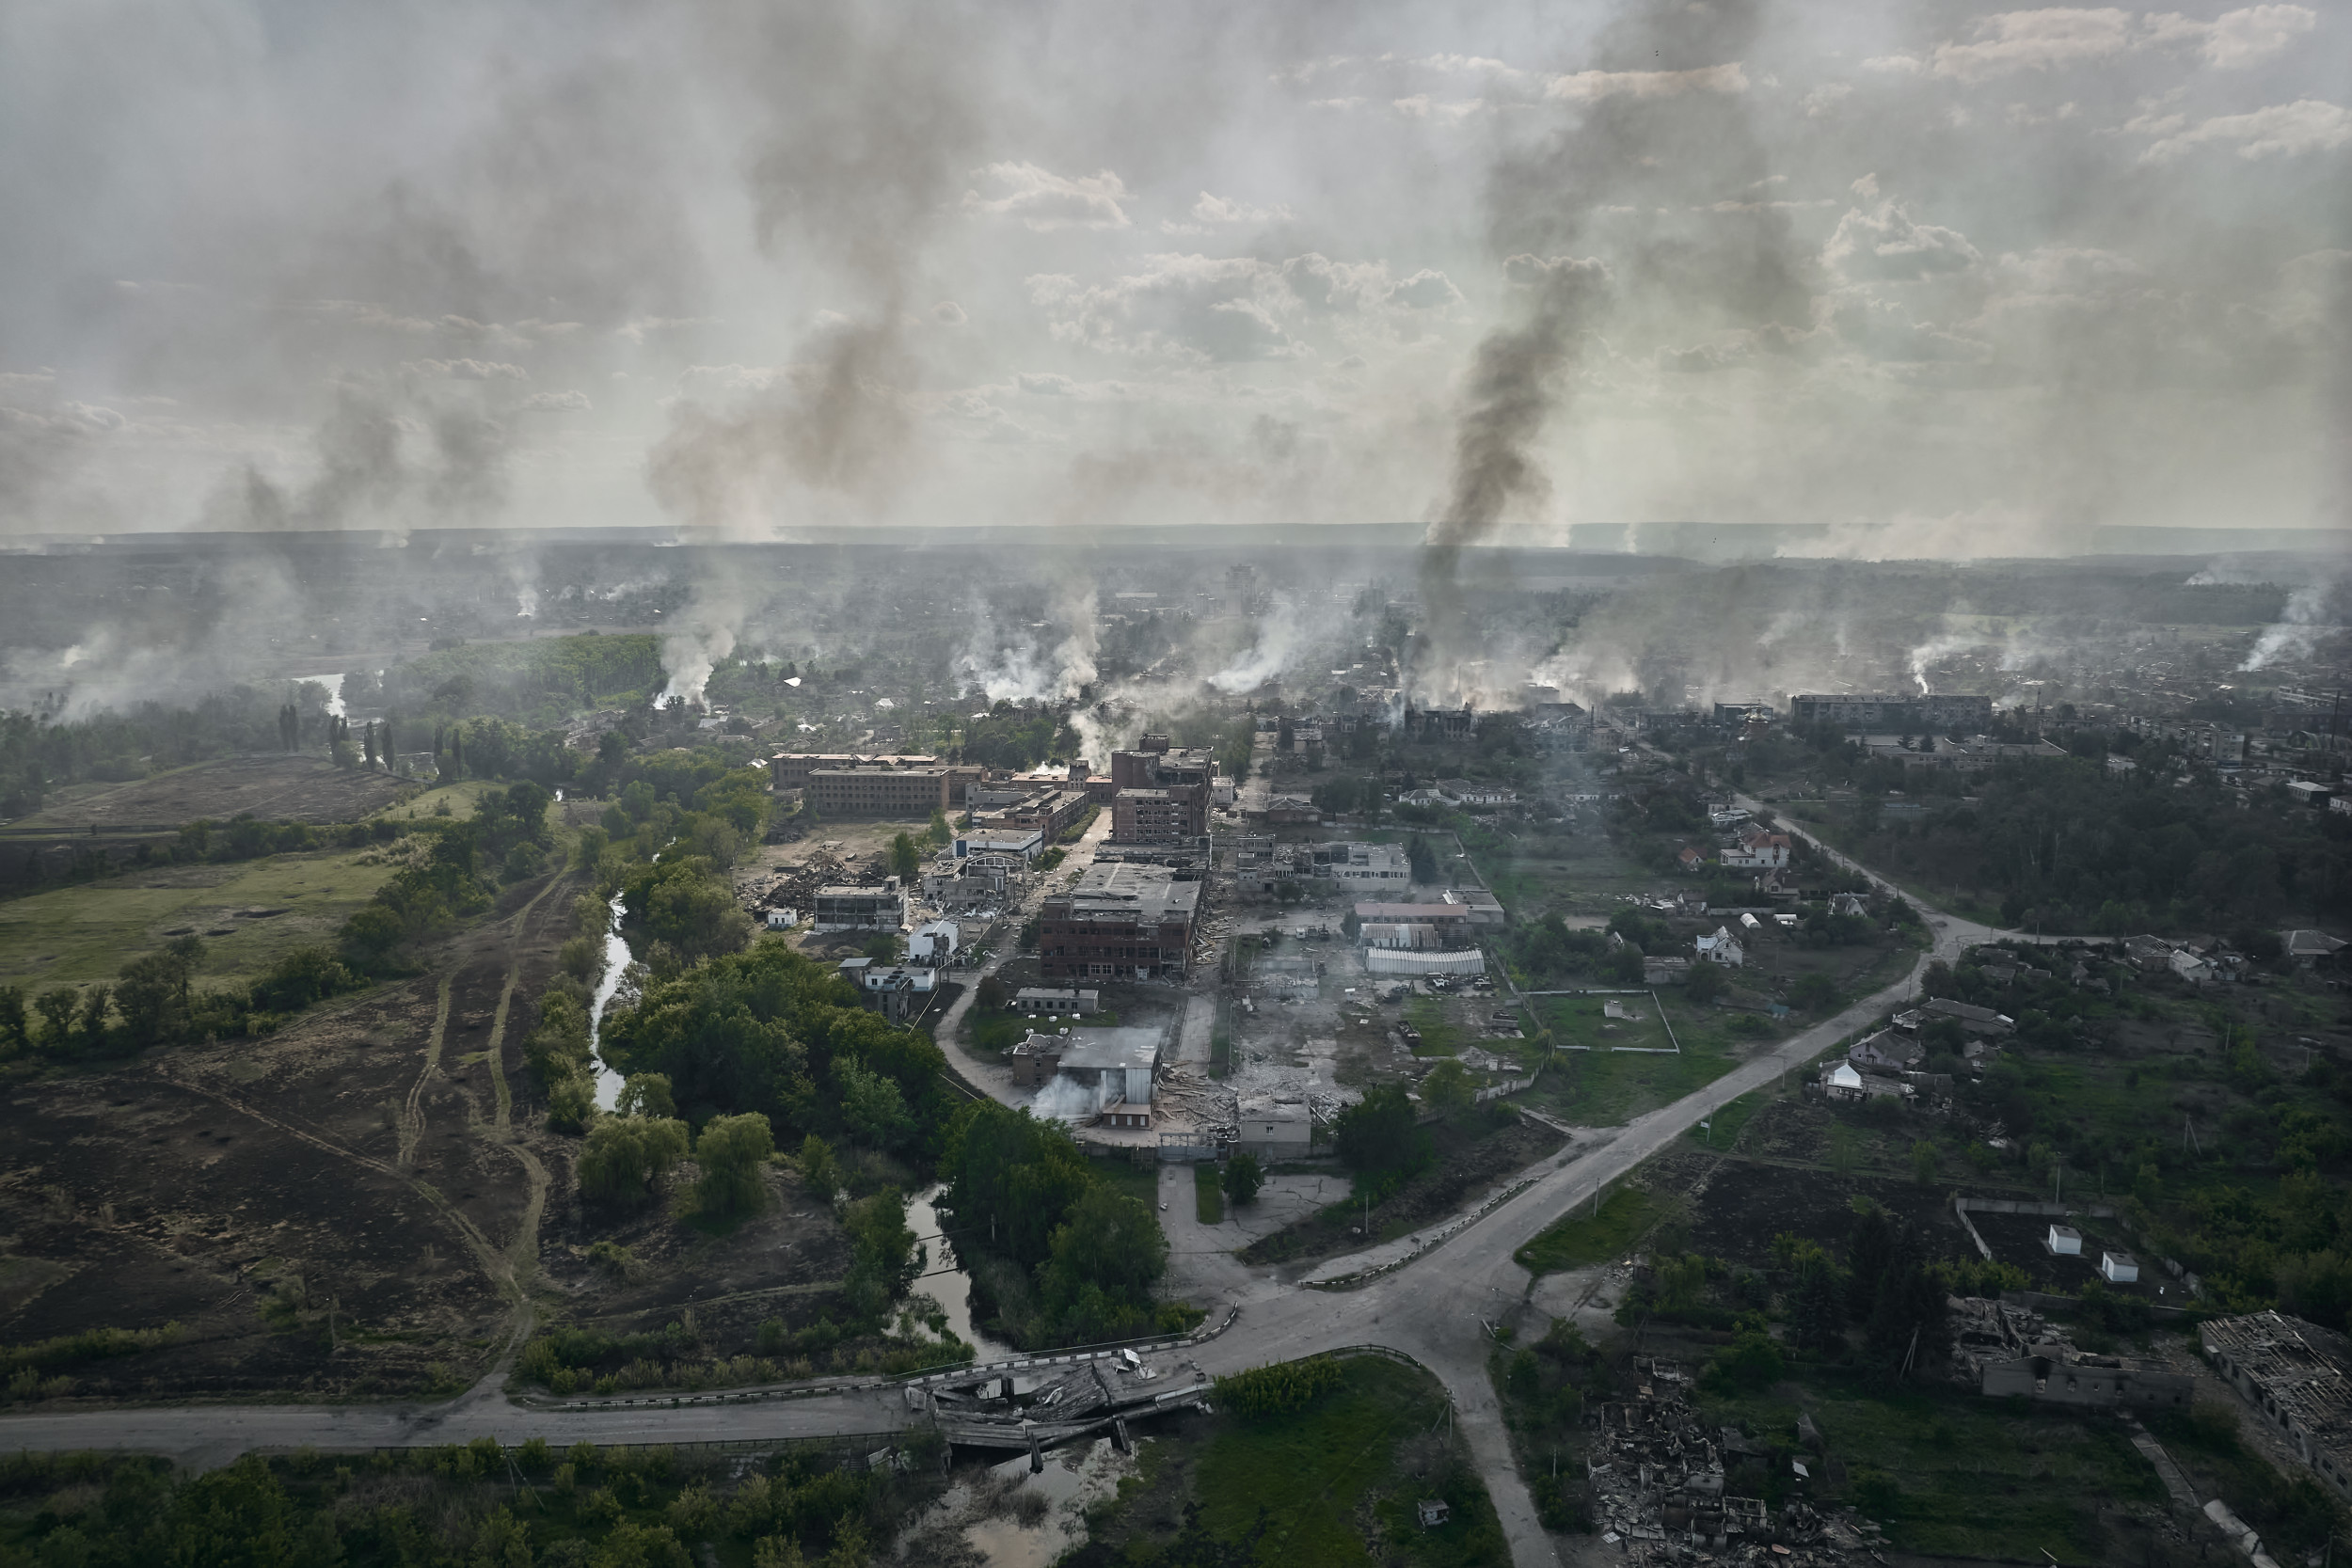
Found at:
[617, 959]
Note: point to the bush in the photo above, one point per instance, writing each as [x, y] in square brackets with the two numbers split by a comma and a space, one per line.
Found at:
[732, 1151]
[1242, 1178]
[1283, 1389]
[627, 1158]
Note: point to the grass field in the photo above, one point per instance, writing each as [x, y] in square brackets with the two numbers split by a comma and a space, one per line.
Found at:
[1607, 1088]
[1207, 1196]
[1440, 1034]
[1582, 1238]
[1331, 1486]
[1950, 1474]
[87, 932]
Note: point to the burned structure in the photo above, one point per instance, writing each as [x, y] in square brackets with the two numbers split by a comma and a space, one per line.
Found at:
[1120, 921]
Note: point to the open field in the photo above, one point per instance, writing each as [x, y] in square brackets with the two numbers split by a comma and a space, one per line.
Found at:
[274, 788]
[249, 914]
[1333, 1484]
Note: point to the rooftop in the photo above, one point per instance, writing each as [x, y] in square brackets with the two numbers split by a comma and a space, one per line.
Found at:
[1127, 1047]
[1128, 890]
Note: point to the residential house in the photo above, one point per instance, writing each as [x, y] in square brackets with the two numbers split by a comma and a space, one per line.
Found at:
[935, 943]
[2308, 948]
[1665, 972]
[1885, 1052]
[1722, 948]
[1464, 792]
[2286, 1369]
[1758, 851]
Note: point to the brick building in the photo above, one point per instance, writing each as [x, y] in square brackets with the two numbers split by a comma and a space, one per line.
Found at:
[1169, 790]
[1123, 922]
[1940, 714]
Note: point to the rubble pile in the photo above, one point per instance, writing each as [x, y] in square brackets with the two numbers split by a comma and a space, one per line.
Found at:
[795, 887]
[1658, 1483]
[1039, 1407]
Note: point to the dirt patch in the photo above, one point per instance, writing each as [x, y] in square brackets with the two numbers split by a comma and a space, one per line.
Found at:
[274, 788]
[1741, 1204]
[1472, 1157]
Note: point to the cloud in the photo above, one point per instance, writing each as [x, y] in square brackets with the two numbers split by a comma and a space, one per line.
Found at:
[1421, 106]
[1228, 308]
[467, 370]
[556, 402]
[1888, 245]
[2061, 36]
[1044, 201]
[1589, 87]
[2238, 39]
[2282, 130]
[949, 313]
[643, 327]
[1822, 101]
[1217, 209]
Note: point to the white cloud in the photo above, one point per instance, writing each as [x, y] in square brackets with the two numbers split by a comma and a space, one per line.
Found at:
[556, 402]
[2238, 39]
[638, 330]
[467, 370]
[1895, 65]
[1585, 86]
[949, 313]
[1823, 100]
[2036, 41]
[1218, 209]
[1230, 308]
[1888, 244]
[1044, 201]
[2285, 130]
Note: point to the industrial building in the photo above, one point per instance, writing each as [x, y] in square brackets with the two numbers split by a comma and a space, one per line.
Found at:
[1161, 793]
[846, 783]
[1115, 1066]
[1049, 812]
[862, 909]
[1121, 921]
[1057, 1001]
[1922, 715]
[2291, 1372]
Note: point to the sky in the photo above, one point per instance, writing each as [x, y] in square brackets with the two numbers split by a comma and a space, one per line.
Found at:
[1949, 280]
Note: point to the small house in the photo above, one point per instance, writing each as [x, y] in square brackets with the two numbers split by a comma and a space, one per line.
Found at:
[1055, 1002]
[2064, 1241]
[1843, 1081]
[1272, 1129]
[1722, 948]
[779, 920]
[1036, 1059]
[2119, 1268]
[935, 941]
[1433, 1513]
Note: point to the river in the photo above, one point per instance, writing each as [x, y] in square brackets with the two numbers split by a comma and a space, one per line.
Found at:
[617, 958]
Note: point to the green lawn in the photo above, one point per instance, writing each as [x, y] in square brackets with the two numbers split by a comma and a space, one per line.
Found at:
[1574, 1241]
[1208, 1198]
[87, 932]
[1439, 1035]
[1950, 1473]
[1604, 1087]
[1331, 1486]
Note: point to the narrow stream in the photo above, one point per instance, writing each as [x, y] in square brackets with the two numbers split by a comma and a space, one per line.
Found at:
[952, 1290]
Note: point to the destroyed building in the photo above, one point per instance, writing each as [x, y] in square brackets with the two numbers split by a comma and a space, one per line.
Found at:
[1121, 921]
[843, 908]
[2292, 1372]
[1999, 1349]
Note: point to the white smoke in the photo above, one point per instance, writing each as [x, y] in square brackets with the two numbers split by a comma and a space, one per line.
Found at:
[1066, 1099]
[2297, 631]
[1993, 532]
[1021, 670]
[705, 635]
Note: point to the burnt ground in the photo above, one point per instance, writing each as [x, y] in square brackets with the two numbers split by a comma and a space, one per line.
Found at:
[274, 788]
[351, 1205]
[2018, 1239]
[1738, 1205]
[1473, 1155]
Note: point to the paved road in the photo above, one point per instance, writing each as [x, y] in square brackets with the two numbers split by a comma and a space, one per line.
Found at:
[1434, 1309]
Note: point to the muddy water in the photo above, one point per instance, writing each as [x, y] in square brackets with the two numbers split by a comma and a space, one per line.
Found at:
[987, 1512]
[946, 1281]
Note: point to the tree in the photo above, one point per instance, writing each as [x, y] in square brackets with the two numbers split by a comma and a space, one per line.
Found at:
[884, 1259]
[627, 1158]
[1242, 1179]
[1924, 1157]
[1108, 1244]
[940, 834]
[15, 1032]
[96, 1002]
[732, 1151]
[1447, 1088]
[993, 996]
[1817, 1309]
[1814, 992]
[1377, 1140]
[645, 1094]
[818, 1166]
[905, 859]
[152, 994]
[1423, 859]
[1705, 982]
[1869, 1250]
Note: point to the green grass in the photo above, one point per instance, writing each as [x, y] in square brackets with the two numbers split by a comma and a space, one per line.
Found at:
[1608, 1089]
[1326, 1487]
[1730, 1120]
[1439, 1035]
[1952, 1474]
[1208, 1198]
[87, 932]
[1582, 1238]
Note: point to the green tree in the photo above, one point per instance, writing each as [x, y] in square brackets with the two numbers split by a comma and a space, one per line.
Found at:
[940, 835]
[1814, 992]
[97, 1002]
[1242, 1179]
[2148, 1186]
[1447, 1088]
[645, 1094]
[871, 1103]
[1421, 859]
[731, 1152]
[884, 1257]
[15, 1029]
[1817, 1308]
[1925, 1158]
[905, 859]
[237, 1517]
[818, 1166]
[1377, 1140]
[1705, 982]
[627, 1158]
[1105, 1257]
[152, 994]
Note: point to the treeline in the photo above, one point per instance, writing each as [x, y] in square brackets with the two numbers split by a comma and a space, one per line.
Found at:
[544, 681]
[38, 755]
[453, 870]
[467, 1505]
[154, 1001]
[1059, 1256]
[2065, 846]
[1262, 1393]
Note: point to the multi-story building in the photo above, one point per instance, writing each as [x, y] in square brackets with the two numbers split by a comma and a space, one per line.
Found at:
[1121, 921]
[841, 783]
[861, 909]
[1171, 790]
[1151, 817]
[1048, 812]
[1950, 714]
